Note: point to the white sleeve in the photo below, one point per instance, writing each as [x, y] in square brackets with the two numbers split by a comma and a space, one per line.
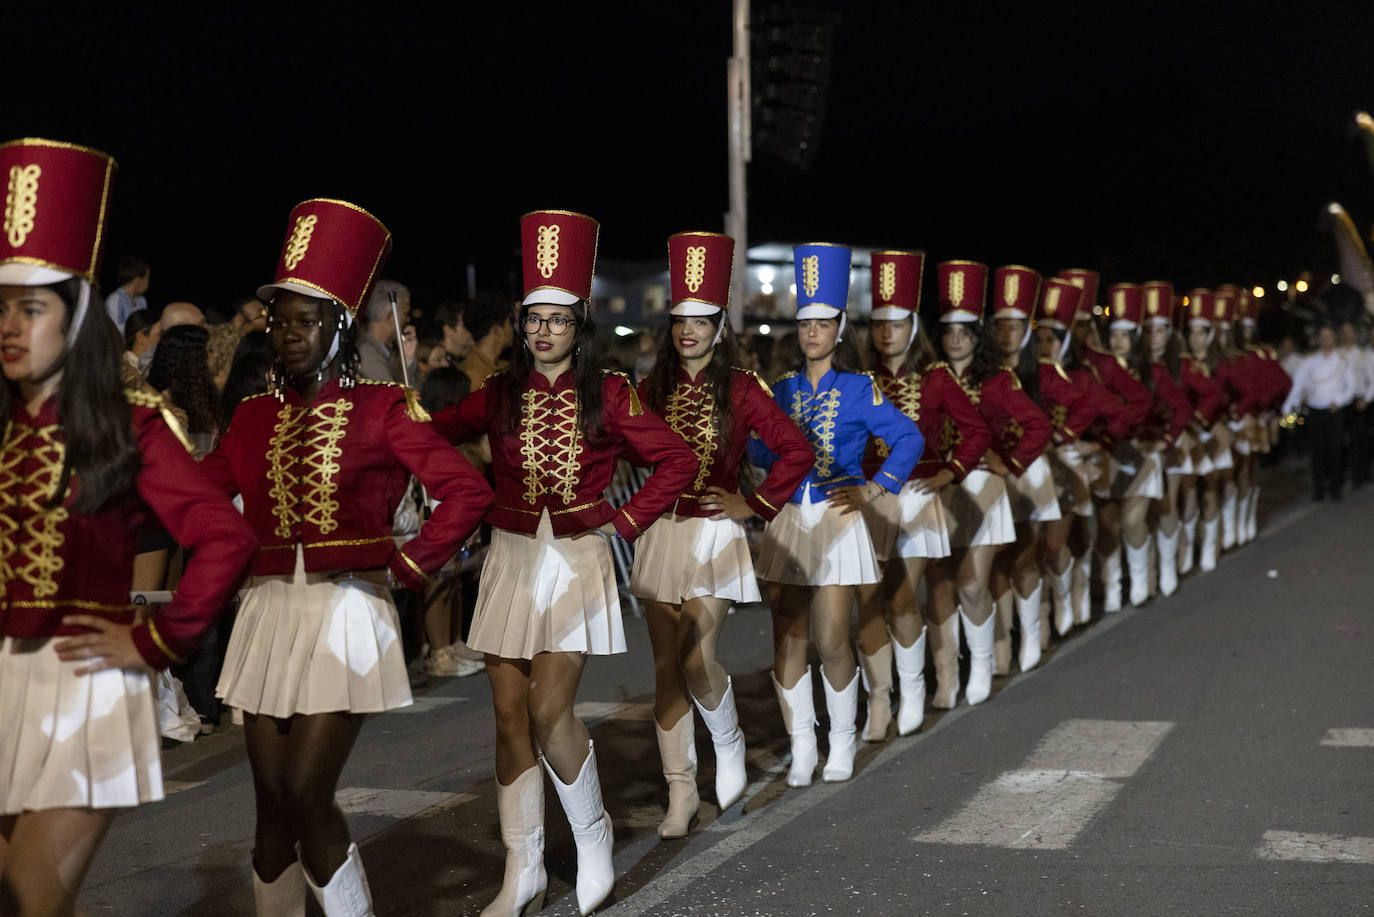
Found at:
[1295, 393]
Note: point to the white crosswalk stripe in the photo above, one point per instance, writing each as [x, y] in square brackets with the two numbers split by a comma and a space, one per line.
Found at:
[1349, 738]
[1075, 771]
[359, 800]
[1316, 848]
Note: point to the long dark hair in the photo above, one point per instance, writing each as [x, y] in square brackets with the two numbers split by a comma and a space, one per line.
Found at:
[97, 425]
[986, 360]
[181, 369]
[1138, 360]
[919, 358]
[845, 358]
[1027, 366]
[1172, 349]
[137, 323]
[586, 364]
[719, 371]
[247, 373]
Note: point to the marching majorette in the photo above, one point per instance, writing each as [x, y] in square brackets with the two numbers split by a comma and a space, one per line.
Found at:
[321, 461]
[692, 565]
[1212, 459]
[1246, 393]
[978, 510]
[558, 424]
[1072, 405]
[84, 465]
[1016, 579]
[1136, 476]
[1267, 373]
[817, 550]
[909, 528]
[1171, 415]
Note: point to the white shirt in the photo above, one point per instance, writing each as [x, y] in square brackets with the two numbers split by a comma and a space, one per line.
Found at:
[1362, 365]
[1323, 381]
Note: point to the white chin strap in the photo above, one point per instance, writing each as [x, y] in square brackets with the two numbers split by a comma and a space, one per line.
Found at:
[83, 305]
[839, 335]
[720, 329]
[1065, 344]
[338, 334]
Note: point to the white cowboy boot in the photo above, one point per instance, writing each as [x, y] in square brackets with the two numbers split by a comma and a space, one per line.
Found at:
[1207, 557]
[944, 647]
[1168, 560]
[346, 893]
[1082, 593]
[842, 708]
[1028, 613]
[1111, 582]
[911, 684]
[521, 807]
[1138, 559]
[728, 740]
[799, 716]
[1004, 613]
[979, 639]
[877, 678]
[284, 896]
[591, 831]
[1187, 546]
[677, 747]
[1061, 595]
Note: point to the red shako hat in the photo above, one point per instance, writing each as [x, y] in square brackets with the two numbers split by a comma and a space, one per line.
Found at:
[1224, 309]
[1159, 302]
[333, 249]
[896, 284]
[1087, 281]
[1202, 306]
[1125, 305]
[1014, 291]
[699, 269]
[558, 256]
[56, 202]
[1059, 299]
[963, 290]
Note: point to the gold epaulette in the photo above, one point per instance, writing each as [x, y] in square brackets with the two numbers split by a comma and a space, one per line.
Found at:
[414, 410]
[877, 392]
[1015, 380]
[757, 378]
[158, 403]
[635, 407]
[493, 375]
[785, 376]
[1058, 367]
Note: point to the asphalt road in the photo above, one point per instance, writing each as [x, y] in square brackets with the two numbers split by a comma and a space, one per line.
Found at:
[1210, 753]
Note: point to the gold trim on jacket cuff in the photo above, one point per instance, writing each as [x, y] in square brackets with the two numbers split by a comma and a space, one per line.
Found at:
[161, 645]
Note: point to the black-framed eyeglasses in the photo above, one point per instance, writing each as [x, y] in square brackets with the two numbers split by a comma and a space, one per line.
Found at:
[558, 324]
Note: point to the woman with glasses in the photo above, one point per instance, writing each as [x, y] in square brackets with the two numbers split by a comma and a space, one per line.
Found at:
[557, 424]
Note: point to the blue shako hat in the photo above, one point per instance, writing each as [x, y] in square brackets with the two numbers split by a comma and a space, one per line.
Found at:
[822, 270]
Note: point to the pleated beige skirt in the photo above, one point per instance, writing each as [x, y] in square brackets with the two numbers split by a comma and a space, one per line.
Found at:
[907, 524]
[307, 644]
[1181, 462]
[811, 544]
[74, 741]
[978, 511]
[541, 594]
[1032, 495]
[1072, 480]
[1138, 473]
[690, 557]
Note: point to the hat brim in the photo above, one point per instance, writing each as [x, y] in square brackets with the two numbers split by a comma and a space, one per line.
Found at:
[1123, 325]
[266, 292]
[816, 310]
[960, 315]
[31, 275]
[890, 314]
[551, 297]
[690, 308]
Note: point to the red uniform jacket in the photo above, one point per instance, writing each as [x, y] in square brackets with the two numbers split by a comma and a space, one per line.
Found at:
[328, 476]
[1118, 378]
[1111, 415]
[1276, 380]
[1171, 411]
[548, 465]
[945, 416]
[55, 562]
[1244, 390]
[1069, 406]
[1205, 391]
[691, 414]
[1020, 430]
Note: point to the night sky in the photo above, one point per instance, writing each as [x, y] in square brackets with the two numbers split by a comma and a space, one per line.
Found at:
[1199, 146]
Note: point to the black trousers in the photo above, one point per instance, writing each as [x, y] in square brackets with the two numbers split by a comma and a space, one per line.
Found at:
[1357, 429]
[1326, 434]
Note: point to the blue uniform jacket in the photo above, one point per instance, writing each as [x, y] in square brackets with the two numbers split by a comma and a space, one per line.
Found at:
[837, 417]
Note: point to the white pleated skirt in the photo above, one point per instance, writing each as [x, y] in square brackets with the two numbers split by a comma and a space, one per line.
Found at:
[1137, 473]
[1032, 495]
[690, 557]
[811, 544]
[1217, 457]
[307, 644]
[978, 511]
[1072, 480]
[1182, 463]
[907, 524]
[541, 594]
[74, 741]
[1242, 431]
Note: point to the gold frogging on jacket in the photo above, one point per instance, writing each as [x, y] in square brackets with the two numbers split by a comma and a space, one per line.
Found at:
[811, 274]
[691, 412]
[694, 271]
[905, 393]
[816, 414]
[299, 242]
[30, 540]
[887, 280]
[21, 203]
[320, 430]
[550, 443]
[546, 250]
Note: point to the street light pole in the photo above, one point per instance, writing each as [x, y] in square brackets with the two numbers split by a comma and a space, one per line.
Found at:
[737, 109]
